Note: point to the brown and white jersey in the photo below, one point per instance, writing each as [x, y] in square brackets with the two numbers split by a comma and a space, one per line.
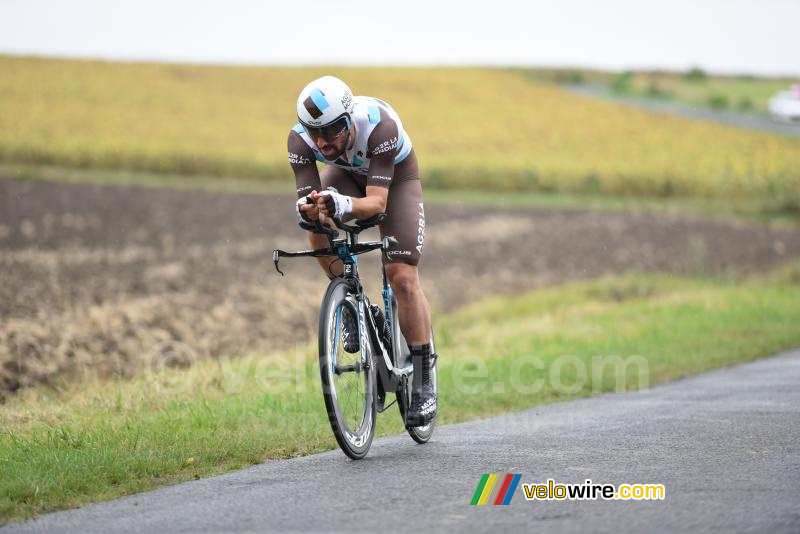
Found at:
[380, 144]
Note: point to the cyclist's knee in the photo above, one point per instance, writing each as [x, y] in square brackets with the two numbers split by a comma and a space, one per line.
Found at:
[404, 280]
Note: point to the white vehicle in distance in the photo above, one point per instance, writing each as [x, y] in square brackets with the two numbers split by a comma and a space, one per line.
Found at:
[785, 106]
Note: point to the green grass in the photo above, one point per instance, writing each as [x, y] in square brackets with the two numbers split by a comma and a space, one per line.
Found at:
[730, 93]
[76, 443]
[753, 208]
[128, 178]
[743, 93]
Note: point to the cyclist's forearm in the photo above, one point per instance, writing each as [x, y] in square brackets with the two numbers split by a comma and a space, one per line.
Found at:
[302, 161]
[372, 204]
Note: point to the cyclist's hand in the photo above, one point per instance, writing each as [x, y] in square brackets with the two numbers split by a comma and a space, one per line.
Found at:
[333, 204]
[306, 209]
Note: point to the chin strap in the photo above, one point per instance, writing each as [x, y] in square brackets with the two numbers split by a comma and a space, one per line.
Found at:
[349, 132]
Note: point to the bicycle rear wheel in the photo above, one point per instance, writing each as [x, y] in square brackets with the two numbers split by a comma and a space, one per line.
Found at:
[348, 380]
[420, 434]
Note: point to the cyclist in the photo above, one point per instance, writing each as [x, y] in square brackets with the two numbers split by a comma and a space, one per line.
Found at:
[369, 167]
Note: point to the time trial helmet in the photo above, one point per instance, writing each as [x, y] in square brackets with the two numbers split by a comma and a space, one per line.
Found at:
[325, 107]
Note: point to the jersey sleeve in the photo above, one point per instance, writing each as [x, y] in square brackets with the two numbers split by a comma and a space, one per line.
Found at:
[304, 165]
[382, 149]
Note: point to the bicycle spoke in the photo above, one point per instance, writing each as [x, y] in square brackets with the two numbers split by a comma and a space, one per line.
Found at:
[349, 385]
[349, 381]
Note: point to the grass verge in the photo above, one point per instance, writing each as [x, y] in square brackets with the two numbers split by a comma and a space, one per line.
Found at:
[694, 87]
[752, 208]
[100, 439]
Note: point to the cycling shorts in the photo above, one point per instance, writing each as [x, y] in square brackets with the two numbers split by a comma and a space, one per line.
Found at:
[405, 219]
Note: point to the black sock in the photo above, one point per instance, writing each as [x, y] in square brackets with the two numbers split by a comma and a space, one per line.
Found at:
[421, 360]
[420, 350]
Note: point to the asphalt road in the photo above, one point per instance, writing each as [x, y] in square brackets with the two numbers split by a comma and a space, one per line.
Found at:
[726, 446]
[731, 118]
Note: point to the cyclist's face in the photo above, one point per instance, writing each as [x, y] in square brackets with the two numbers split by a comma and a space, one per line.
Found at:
[331, 140]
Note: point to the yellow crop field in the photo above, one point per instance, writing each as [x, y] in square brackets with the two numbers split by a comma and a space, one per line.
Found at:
[471, 127]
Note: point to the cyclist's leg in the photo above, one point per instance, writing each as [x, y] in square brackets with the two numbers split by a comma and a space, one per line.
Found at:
[406, 222]
[412, 306]
[346, 185]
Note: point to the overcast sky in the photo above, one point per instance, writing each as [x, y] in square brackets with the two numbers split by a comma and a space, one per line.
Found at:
[718, 35]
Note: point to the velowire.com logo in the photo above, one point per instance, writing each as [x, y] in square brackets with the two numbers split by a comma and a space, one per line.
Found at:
[495, 489]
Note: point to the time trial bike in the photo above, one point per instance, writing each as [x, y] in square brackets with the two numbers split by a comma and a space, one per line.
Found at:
[354, 385]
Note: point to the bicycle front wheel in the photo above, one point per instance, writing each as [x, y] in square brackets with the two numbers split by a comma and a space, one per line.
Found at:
[348, 379]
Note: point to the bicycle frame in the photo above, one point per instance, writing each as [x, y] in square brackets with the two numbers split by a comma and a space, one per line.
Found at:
[391, 370]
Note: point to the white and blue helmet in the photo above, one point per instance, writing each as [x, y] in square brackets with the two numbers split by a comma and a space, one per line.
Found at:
[323, 102]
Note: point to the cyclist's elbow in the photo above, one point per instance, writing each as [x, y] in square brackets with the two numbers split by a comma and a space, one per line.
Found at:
[380, 205]
[371, 205]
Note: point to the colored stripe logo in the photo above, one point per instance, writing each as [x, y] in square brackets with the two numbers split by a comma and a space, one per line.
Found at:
[495, 489]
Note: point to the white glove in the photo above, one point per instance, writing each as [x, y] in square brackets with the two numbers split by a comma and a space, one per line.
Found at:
[301, 217]
[338, 205]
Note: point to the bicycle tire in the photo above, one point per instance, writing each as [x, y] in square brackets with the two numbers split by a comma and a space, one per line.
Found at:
[338, 392]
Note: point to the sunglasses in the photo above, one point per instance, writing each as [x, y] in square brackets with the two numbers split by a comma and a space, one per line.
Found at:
[330, 132]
